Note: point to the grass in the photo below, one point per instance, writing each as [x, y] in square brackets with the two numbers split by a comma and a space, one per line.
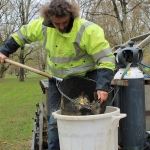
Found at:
[17, 108]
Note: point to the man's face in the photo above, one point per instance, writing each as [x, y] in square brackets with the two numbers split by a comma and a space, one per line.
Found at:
[61, 23]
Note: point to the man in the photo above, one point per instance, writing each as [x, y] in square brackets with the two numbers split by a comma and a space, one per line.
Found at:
[75, 47]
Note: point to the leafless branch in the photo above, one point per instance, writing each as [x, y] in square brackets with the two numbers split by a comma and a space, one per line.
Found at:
[133, 7]
[100, 13]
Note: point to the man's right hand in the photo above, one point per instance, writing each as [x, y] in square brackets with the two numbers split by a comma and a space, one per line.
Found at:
[2, 58]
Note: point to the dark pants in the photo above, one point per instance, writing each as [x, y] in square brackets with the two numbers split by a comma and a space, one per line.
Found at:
[55, 97]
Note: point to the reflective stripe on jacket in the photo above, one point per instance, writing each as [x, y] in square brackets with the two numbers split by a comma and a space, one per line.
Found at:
[83, 49]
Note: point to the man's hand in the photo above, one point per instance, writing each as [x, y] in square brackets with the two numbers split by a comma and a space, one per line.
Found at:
[2, 58]
[102, 95]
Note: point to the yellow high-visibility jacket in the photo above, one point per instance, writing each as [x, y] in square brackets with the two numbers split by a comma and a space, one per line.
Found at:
[83, 49]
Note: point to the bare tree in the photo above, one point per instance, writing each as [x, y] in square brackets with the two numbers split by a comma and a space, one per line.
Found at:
[115, 16]
[25, 12]
[14, 14]
[6, 28]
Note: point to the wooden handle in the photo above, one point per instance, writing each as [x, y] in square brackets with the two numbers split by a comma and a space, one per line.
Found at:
[28, 68]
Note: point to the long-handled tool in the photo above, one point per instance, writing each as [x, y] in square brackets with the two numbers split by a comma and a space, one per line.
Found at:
[32, 69]
[60, 80]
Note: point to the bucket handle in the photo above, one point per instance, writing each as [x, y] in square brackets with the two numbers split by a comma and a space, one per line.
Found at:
[117, 118]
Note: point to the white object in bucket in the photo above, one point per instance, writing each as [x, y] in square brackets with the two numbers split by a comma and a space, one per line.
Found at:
[92, 132]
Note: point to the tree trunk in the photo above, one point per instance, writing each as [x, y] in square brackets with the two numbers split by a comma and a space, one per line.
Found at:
[121, 20]
[21, 78]
[3, 68]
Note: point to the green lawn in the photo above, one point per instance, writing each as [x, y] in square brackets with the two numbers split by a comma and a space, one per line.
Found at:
[17, 108]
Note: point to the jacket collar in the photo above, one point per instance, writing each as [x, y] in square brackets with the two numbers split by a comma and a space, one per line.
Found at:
[50, 24]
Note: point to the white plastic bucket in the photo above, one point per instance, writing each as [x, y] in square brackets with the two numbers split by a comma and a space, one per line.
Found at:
[92, 132]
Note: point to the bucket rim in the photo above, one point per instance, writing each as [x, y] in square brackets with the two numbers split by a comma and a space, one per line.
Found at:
[116, 111]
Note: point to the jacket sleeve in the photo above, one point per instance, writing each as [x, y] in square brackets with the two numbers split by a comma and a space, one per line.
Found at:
[26, 34]
[104, 78]
[30, 32]
[98, 47]
[9, 47]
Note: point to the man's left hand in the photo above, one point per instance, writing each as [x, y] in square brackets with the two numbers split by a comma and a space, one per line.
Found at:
[102, 95]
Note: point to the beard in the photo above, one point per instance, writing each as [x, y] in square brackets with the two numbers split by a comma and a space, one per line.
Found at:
[63, 30]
